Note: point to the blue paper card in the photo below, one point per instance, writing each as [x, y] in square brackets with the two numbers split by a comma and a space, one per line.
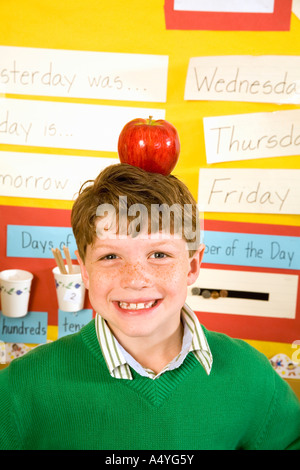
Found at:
[31, 329]
[246, 249]
[72, 322]
[29, 241]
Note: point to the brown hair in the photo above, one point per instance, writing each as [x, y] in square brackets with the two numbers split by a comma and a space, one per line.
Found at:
[139, 187]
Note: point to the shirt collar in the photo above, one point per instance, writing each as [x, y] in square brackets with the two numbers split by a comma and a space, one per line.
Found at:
[119, 361]
[199, 345]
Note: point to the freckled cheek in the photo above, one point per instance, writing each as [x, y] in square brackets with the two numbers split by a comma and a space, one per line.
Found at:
[174, 276]
[100, 281]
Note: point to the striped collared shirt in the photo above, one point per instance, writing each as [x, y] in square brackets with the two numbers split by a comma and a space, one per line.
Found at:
[119, 361]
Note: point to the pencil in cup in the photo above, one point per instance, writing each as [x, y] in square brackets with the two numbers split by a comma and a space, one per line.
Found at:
[59, 260]
[68, 259]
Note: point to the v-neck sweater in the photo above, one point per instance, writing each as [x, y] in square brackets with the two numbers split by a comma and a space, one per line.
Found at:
[61, 396]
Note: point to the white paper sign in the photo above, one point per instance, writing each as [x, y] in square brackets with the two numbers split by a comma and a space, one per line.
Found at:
[265, 79]
[66, 125]
[233, 6]
[83, 74]
[47, 176]
[248, 136]
[296, 8]
[280, 288]
[249, 190]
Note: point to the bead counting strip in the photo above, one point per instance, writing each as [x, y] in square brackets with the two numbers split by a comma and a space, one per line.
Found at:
[216, 293]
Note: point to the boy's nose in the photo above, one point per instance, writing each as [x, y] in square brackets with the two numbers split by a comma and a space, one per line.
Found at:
[134, 277]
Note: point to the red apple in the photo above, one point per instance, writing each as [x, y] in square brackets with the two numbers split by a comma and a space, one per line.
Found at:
[148, 144]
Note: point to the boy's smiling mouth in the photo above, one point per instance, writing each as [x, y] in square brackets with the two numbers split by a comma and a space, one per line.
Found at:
[138, 305]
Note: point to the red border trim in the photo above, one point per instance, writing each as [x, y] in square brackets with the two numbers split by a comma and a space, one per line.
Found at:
[279, 20]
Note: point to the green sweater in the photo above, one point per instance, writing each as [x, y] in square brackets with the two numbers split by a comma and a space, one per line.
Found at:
[61, 396]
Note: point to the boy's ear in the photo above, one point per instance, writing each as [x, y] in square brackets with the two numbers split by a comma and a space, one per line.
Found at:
[195, 263]
[84, 273]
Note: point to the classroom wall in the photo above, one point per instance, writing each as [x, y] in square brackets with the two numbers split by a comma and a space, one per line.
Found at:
[140, 28]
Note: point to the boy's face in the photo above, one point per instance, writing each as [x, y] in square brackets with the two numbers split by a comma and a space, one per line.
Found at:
[139, 285]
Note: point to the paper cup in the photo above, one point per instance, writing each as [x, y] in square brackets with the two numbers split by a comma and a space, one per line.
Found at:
[15, 287]
[70, 289]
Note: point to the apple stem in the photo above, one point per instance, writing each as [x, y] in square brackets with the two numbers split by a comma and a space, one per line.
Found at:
[150, 119]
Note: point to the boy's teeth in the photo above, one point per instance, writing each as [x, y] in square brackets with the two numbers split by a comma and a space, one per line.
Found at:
[131, 306]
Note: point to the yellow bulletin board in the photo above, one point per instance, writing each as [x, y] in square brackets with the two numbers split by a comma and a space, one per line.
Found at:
[137, 27]
[140, 28]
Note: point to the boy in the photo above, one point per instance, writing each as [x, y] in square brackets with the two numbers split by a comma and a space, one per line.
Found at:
[144, 374]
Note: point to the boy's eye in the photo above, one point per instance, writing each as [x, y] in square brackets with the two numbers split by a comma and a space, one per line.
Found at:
[109, 257]
[158, 255]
